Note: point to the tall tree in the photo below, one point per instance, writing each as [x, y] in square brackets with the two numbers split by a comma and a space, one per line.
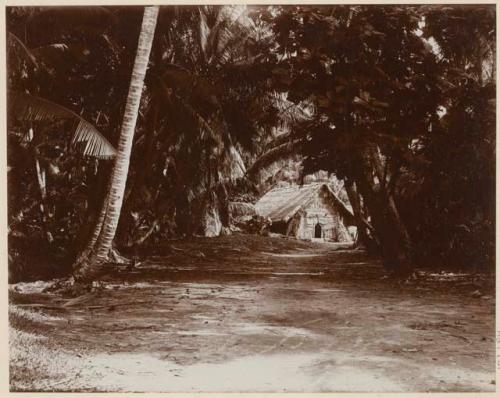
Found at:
[99, 254]
[206, 103]
[372, 84]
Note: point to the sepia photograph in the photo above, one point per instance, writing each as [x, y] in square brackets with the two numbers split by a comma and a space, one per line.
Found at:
[236, 198]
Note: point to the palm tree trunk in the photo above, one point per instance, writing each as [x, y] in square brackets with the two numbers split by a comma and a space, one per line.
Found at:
[122, 161]
[137, 180]
[96, 232]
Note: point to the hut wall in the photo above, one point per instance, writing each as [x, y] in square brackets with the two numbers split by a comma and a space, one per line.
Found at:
[294, 225]
[332, 226]
[302, 231]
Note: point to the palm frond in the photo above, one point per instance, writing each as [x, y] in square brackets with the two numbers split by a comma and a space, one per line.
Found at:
[203, 124]
[50, 50]
[233, 165]
[203, 33]
[32, 108]
[233, 42]
[15, 44]
[272, 155]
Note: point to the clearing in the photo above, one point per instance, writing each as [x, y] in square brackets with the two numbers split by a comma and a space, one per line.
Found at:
[246, 313]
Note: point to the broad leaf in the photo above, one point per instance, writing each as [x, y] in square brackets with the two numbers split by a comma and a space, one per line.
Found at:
[31, 108]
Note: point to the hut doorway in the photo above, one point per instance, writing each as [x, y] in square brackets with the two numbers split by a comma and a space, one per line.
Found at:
[317, 231]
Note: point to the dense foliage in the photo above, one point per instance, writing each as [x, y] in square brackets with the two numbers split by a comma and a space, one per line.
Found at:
[404, 107]
[397, 102]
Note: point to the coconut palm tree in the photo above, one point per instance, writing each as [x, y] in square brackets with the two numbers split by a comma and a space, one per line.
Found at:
[205, 106]
[113, 204]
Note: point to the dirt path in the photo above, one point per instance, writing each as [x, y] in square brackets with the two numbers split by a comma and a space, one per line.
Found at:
[243, 314]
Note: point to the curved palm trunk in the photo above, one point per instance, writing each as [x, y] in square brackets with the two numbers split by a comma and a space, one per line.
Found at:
[120, 170]
[96, 232]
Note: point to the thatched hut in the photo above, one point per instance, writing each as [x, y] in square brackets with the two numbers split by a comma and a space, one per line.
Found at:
[309, 212]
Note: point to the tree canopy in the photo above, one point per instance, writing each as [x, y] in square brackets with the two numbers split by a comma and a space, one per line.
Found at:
[398, 102]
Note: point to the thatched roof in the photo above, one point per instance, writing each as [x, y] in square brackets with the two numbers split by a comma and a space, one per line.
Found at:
[281, 204]
[241, 209]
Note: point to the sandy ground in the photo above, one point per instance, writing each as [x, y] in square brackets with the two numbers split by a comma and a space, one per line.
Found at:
[253, 314]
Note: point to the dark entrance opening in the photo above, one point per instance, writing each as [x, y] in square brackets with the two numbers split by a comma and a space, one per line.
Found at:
[317, 231]
[279, 227]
